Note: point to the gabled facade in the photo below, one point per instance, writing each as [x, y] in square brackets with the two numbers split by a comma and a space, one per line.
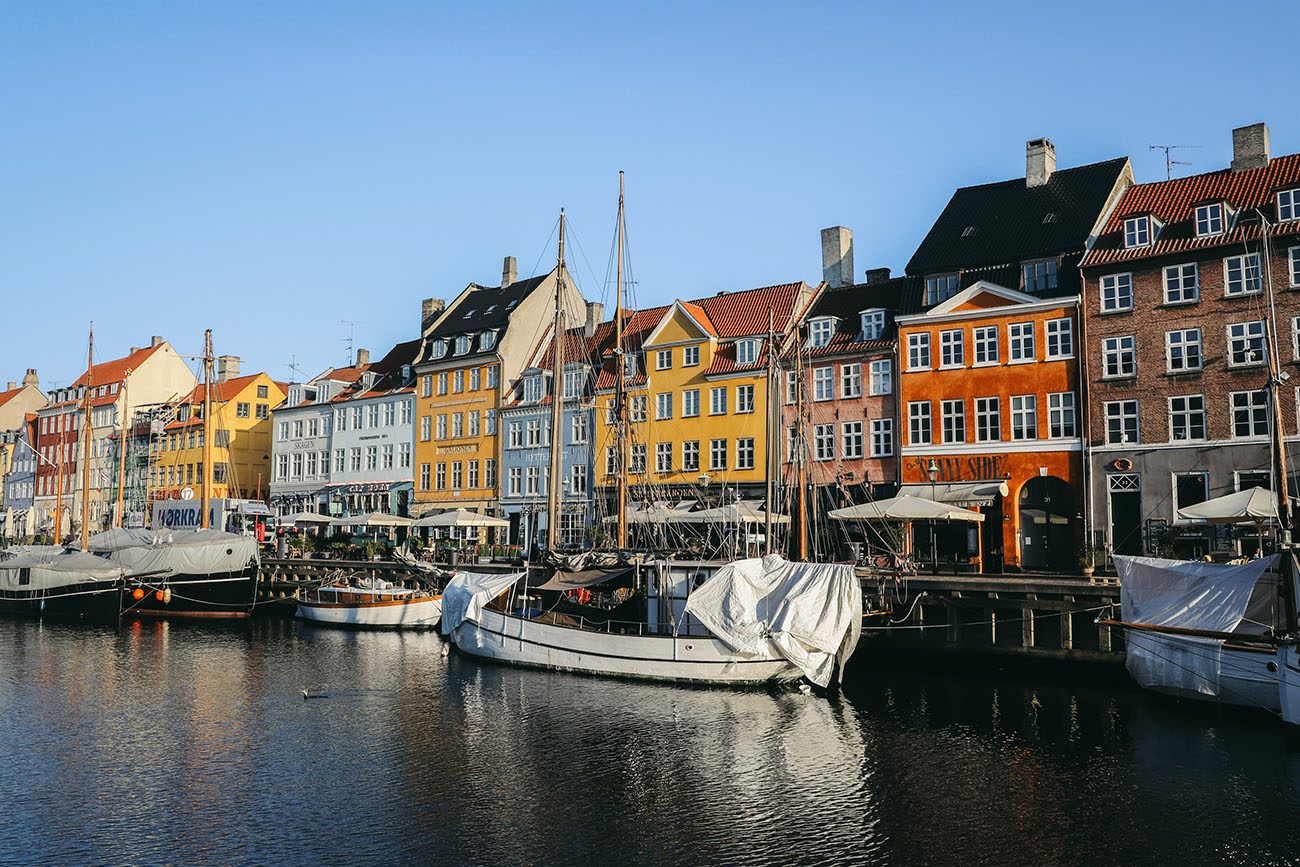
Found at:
[1182, 290]
[17, 402]
[302, 451]
[20, 481]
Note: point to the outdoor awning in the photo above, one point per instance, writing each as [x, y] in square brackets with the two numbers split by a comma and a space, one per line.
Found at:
[374, 519]
[461, 518]
[1243, 507]
[967, 494]
[590, 578]
[306, 518]
[905, 508]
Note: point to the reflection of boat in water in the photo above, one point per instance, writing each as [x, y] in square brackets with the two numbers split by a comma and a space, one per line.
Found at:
[749, 621]
[52, 582]
[370, 603]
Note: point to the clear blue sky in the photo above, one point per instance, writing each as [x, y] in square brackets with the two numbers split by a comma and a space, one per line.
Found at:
[270, 169]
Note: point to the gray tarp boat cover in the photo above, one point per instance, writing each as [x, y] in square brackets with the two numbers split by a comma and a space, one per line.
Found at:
[467, 592]
[178, 552]
[1187, 595]
[50, 571]
[561, 580]
[809, 613]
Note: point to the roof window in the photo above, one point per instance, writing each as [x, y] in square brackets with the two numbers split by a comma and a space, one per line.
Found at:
[1050, 217]
[1140, 231]
[970, 231]
[1213, 218]
[1288, 205]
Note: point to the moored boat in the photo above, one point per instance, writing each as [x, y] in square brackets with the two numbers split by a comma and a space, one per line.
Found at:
[64, 584]
[370, 603]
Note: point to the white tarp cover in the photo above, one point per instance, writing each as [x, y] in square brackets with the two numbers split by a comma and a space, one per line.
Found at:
[809, 613]
[52, 571]
[1188, 595]
[178, 552]
[467, 592]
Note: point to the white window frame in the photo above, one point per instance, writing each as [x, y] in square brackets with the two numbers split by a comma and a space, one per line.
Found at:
[988, 419]
[691, 403]
[664, 359]
[1117, 411]
[1293, 258]
[748, 350]
[920, 429]
[663, 457]
[953, 415]
[881, 376]
[851, 440]
[718, 400]
[824, 383]
[1242, 263]
[1204, 217]
[744, 398]
[663, 406]
[952, 348]
[1184, 407]
[690, 356]
[1062, 415]
[1246, 338]
[1180, 340]
[1182, 283]
[1256, 406]
[1024, 417]
[1288, 205]
[1044, 272]
[1021, 343]
[939, 288]
[820, 331]
[872, 324]
[851, 380]
[1116, 347]
[1138, 232]
[882, 437]
[1059, 331]
[745, 453]
[918, 350]
[824, 442]
[1116, 291]
[985, 341]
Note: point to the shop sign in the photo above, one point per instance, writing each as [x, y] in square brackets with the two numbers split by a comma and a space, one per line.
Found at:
[974, 468]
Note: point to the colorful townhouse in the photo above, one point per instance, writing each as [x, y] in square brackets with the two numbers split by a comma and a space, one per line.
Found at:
[1188, 284]
[16, 403]
[241, 438]
[20, 481]
[527, 436]
[146, 376]
[471, 357]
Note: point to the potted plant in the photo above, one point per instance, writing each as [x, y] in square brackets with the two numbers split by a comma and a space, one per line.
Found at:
[1088, 558]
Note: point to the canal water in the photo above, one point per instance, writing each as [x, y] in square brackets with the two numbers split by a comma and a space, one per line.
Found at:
[158, 743]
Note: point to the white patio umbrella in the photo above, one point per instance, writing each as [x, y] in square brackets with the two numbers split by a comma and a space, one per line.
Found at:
[306, 518]
[907, 508]
[1251, 506]
[373, 519]
[461, 518]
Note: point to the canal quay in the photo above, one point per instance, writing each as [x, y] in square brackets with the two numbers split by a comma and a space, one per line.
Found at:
[180, 743]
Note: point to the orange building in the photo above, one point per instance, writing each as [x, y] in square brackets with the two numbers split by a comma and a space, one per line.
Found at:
[990, 420]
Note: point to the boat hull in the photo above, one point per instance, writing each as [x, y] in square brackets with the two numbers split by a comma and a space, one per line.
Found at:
[1288, 661]
[1246, 676]
[225, 595]
[419, 613]
[691, 659]
[98, 601]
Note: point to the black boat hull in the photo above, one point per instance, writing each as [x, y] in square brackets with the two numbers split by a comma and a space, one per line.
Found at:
[97, 601]
[223, 595]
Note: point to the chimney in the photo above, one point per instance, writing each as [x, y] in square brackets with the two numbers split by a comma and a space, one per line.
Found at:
[227, 367]
[429, 310]
[876, 275]
[134, 350]
[31, 379]
[595, 313]
[363, 357]
[155, 341]
[837, 256]
[11, 386]
[509, 274]
[1250, 147]
[1040, 162]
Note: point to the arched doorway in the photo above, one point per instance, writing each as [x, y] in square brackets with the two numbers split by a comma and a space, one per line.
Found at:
[1047, 531]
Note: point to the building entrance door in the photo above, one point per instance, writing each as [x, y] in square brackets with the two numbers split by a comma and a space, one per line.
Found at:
[1047, 525]
[1125, 513]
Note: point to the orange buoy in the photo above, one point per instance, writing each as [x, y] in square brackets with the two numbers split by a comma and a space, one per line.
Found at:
[137, 593]
[158, 594]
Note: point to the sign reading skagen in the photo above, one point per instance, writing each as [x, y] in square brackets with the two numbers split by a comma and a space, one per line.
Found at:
[956, 469]
[305, 445]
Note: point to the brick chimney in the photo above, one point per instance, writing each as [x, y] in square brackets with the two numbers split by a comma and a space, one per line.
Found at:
[1250, 147]
[509, 273]
[363, 357]
[227, 367]
[31, 378]
[11, 385]
[837, 256]
[1040, 162]
[876, 275]
[430, 308]
[595, 314]
[155, 341]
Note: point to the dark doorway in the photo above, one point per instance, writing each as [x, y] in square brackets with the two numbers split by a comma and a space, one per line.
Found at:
[991, 538]
[1126, 522]
[1047, 525]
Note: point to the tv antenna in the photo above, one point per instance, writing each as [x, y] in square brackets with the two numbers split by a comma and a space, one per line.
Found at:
[294, 369]
[352, 327]
[1170, 162]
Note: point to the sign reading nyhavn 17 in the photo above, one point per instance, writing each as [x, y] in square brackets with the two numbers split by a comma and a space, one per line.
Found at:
[959, 469]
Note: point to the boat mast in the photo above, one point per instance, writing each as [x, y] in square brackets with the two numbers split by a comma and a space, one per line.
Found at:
[87, 434]
[58, 500]
[801, 446]
[773, 431]
[206, 430]
[557, 401]
[121, 448]
[620, 391]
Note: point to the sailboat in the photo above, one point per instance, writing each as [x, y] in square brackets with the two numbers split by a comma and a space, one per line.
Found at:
[741, 622]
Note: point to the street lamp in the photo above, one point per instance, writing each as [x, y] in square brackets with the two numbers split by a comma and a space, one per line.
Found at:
[933, 472]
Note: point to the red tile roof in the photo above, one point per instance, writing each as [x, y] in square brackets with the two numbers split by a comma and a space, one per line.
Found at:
[744, 314]
[1174, 203]
[7, 396]
[108, 372]
[222, 391]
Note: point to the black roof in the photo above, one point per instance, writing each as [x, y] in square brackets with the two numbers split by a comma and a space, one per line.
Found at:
[1005, 222]
[482, 308]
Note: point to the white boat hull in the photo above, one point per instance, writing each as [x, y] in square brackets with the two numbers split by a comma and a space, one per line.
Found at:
[419, 613]
[697, 659]
[1288, 663]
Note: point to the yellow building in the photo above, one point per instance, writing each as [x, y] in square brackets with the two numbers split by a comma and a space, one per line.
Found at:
[471, 356]
[241, 444]
[697, 396]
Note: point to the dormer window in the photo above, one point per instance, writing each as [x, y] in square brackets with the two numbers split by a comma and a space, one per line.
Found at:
[295, 395]
[532, 389]
[487, 340]
[1139, 231]
[462, 344]
[573, 380]
[940, 288]
[1288, 205]
[747, 350]
[491, 307]
[820, 331]
[1040, 276]
[322, 393]
[406, 373]
[1211, 219]
[873, 324]
[439, 348]
[468, 313]
[629, 366]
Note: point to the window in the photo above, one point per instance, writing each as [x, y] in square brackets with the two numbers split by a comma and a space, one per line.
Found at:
[472, 480]
[718, 400]
[489, 422]
[405, 455]
[820, 332]
[281, 467]
[473, 423]
[850, 380]
[1060, 415]
[1190, 489]
[918, 415]
[426, 385]
[1294, 254]
[1288, 205]
[490, 472]
[1250, 413]
[747, 351]
[1024, 417]
[373, 415]
[664, 405]
[533, 477]
[514, 481]
[1119, 356]
[1181, 285]
[1137, 232]
[442, 426]
[611, 460]
[882, 437]
[1116, 292]
[1040, 276]
[491, 378]
[690, 403]
[1183, 350]
[954, 421]
[1121, 422]
[354, 459]
[873, 324]
[823, 383]
[824, 442]
[533, 432]
[458, 382]
[573, 383]
[637, 407]
[691, 456]
[690, 356]
[515, 435]
[1209, 220]
[791, 385]
[457, 425]
[1246, 343]
[406, 413]
[462, 345]
[851, 440]
[638, 459]
[388, 457]
[439, 348]
[1020, 340]
[918, 351]
[951, 350]
[1241, 275]
[745, 453]
[297, 431]
[577, 479]
[284, 431]
[1187, 417]
[988, 419]
[532, 389]
[718, 454]
[487, 340]
[475, 378]
[340, 460]
[744, 398]
[372, 457]
[882, 376]
[1060, 338]
[664, 359]
[663, 457]
[440, 477]
[442, 383]
[358, 417]
[426, 428]
[940, 288]
[241, 409]
[578, 428]
[424, 477]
